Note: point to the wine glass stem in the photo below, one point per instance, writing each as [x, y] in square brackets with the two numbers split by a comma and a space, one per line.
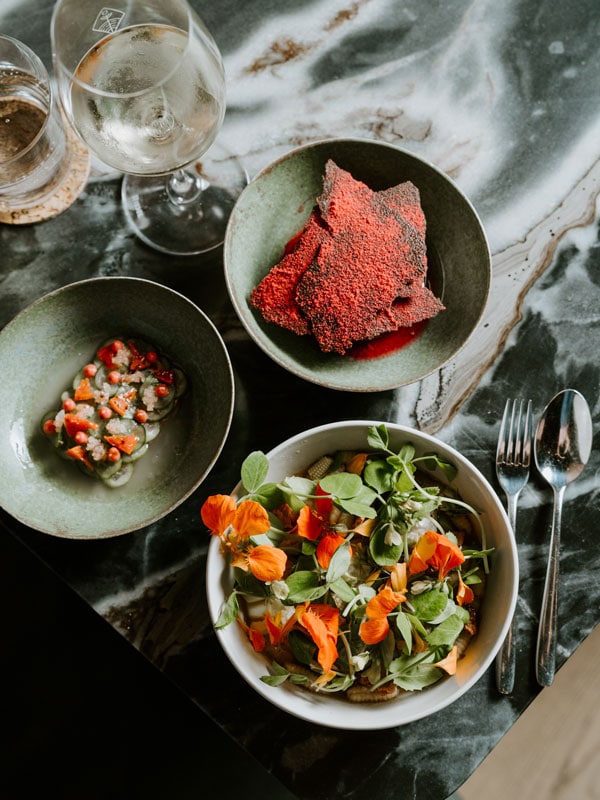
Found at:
[183, 187]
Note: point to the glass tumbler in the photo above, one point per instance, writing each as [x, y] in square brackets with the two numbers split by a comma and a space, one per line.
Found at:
[43, 165]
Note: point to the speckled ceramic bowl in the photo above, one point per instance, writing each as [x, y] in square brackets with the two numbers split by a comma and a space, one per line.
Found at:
[275, 206]
[42, 349]
[293, 456]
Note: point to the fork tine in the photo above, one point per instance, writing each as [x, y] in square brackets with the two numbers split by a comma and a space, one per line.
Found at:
[514, 441]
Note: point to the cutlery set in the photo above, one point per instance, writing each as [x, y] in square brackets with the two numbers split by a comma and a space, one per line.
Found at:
[561, 447]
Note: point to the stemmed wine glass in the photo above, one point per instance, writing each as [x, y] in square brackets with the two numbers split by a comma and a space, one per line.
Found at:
[143, 83]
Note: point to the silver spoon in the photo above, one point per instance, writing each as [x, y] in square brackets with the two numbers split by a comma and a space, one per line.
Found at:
[562, 447]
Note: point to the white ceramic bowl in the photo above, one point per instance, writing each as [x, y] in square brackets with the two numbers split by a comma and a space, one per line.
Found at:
[497, 608]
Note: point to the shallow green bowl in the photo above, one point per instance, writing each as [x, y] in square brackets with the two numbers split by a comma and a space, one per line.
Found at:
[42, 349]
[276, 204]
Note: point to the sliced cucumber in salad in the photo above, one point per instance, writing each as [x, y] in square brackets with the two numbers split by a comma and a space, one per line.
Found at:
[114, 409]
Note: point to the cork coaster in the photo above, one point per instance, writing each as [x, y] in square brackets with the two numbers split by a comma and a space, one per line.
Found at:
[66, 192]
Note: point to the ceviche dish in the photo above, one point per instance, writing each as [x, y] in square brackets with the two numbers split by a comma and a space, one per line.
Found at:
[114, 409]
[362, 576]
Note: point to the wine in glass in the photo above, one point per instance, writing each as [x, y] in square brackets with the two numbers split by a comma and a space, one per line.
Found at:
[144, 86]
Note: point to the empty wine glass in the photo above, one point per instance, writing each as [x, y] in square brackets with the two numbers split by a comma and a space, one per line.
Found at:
[144, 86]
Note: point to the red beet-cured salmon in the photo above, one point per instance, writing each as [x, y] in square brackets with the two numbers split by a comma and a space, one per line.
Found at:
[358, 268]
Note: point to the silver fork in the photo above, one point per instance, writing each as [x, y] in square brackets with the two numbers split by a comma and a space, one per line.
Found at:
[513, 462]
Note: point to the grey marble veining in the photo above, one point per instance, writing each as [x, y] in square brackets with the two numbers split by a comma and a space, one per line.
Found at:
[506, 99]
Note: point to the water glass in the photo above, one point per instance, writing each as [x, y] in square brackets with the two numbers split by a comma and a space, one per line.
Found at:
[43, 167]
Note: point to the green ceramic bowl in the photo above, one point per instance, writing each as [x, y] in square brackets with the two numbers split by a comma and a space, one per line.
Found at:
[42, 349]
[276, 204]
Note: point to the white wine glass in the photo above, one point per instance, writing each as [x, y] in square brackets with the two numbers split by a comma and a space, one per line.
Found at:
[143, 84]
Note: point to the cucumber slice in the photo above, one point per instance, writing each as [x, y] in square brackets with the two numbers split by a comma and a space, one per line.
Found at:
[152, 430]
[106, 469]
[120, 477]
[181, 382]
[137, 453]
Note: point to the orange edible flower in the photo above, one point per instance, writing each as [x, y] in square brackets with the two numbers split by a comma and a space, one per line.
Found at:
[251, 519]
[257, 638]
[323, 502]
[375, 628]
[384, 602]
[398, 577]
[437, 551]
[327, 547]
[309, 524]
[373, 631]
[322, 623]
[464, 595]
[267, 563]
[449, 663]
[217, 513]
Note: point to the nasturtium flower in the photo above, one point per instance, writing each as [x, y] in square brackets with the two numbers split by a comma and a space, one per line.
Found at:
[220, 512]
[327, 547]
[373, 631]
[435, 550]
[217, 513]
[375, 627]
[310, 525]
[322, 623]
[265, 562]
[464, 593]
[256, 637]
[449, 663]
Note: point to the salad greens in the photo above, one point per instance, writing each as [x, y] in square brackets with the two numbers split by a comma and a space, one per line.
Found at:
[365, 580]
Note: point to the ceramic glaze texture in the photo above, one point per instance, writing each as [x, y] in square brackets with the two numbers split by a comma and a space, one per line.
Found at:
[505, 99]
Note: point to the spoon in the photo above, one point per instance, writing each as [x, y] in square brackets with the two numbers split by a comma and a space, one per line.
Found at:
[562, 447]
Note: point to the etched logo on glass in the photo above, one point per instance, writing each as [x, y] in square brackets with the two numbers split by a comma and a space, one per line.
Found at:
[108, 20]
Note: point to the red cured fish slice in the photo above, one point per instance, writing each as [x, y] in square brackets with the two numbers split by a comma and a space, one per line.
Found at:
[275, 295]
[371, 258]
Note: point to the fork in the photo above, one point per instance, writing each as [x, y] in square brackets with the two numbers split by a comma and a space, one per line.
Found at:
[513, 461]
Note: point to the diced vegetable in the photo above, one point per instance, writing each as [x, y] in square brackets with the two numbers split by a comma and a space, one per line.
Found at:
[106, 422]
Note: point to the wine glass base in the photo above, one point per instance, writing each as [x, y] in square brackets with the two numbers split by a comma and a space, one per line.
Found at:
[186, 228]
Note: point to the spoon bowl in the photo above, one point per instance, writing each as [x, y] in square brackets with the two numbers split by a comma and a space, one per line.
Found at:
[562, 447]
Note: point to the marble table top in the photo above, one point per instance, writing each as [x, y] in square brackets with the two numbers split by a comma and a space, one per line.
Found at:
[505, 98]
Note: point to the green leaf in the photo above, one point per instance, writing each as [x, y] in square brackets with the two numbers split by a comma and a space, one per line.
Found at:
[405, 628]
[340, 561]
[382, 554]
[304, 585]
[341, 589]
[429, 605]
[268, 495]
[445, 634]
[377, 437]
[254, 470]
[433, 460]
[279, 676]
[380, 475]
[343, 485]
[419, 677]
[303, 648]
[358, 509]
[229, 612]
